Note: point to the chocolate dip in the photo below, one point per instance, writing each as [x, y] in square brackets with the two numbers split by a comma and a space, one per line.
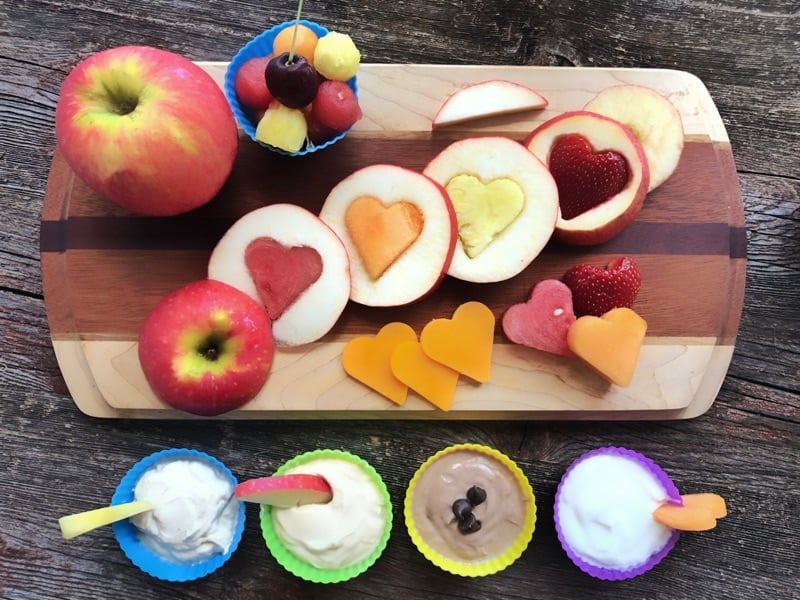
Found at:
[502, 514]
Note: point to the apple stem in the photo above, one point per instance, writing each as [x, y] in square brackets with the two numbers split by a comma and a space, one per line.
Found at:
[294, 33]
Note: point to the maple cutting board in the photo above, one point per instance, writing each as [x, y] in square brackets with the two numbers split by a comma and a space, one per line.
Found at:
[103, 269]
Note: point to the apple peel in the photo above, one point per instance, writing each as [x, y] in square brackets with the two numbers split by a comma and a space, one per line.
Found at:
[610, 344]
[285, 490]
[485, 99]
[544, 320]
[464, 342]
[368, 360]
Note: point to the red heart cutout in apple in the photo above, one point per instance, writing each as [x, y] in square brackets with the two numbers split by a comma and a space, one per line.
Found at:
[281, 274]
[543, 321]
[585, 178]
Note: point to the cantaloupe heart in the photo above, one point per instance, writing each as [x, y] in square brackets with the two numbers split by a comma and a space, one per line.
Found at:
[463, 343]
[544, 320]
[430, 379]
[698, 513]
[380, 232]
[368, 359]
[483, 210]
[609, 343]
[281, 274]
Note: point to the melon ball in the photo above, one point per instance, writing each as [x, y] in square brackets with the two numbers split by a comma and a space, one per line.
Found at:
[336, 56]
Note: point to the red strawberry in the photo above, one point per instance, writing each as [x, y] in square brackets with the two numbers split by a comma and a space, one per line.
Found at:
[595, 290]
[585, 178]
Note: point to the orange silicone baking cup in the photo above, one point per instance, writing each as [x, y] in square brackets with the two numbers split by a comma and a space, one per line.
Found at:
[493, 564]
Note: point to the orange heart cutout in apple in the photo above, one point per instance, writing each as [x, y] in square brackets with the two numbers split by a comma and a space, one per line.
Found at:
[464, 342]
[483, 210]
[381, 233]
[368, 360]
[609, 343]
[430, 379]
[281, 274]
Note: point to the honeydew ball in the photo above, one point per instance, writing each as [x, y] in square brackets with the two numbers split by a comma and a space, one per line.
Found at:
[336, 56]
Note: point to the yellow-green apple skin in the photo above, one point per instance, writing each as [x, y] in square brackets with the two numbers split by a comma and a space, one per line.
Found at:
[206, 348]
[147, 129]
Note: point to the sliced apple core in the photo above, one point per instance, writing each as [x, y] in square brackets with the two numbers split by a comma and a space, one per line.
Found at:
[585, 177]
[483, 210]
[381, 232]
[281, 274]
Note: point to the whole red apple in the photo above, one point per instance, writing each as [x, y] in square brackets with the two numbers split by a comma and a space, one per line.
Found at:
[206, 348]
[146, 129]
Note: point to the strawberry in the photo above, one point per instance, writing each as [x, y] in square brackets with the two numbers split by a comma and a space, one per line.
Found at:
[585, 178]
[595, 290]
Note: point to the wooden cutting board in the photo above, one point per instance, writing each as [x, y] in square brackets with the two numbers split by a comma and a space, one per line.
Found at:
[103, 269]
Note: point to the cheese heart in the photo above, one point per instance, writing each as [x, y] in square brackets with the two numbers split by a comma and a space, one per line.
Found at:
[609, 343]
[430, 379]
[281, 274]
[382, 233]
[368, 360]
[463, 343]
[698, 513]
[543, 321]
[483, 210]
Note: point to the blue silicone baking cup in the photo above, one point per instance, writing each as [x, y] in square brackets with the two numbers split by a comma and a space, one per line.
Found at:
[127, 533]
[261, 45]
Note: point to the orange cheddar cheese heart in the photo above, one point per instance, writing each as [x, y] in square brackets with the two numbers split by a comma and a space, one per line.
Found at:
[464, 342]
[430, 379]
[610, 343]
[382, 233]
[368, 360]
[698, 513]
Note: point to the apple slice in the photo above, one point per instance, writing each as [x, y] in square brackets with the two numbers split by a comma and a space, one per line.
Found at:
[601, 171]
[399, 229]
[506, 204]
[485, 99]
[285, 257]
[285, 490]
[654, 121]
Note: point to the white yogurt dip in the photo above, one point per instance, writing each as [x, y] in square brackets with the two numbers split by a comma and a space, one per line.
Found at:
[194, 510]
[605, 511]
[342, 532]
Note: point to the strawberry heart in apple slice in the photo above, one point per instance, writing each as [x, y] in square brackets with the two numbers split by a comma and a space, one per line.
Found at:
[285, 490]
[399, 230]
[506, 204]
[544, 320]
[286, 258]
[601, 171]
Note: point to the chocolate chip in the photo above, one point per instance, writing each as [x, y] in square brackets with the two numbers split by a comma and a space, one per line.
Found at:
[469, 525]
[476, 495]
[462, 508]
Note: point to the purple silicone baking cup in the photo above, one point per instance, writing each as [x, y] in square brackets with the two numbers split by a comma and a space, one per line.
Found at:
[261, 45]
[673, 496]
[127, 533]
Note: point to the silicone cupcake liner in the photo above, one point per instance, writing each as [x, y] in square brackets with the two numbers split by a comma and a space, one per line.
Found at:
[261, 45]
[492, 565]
[673, 496]
[127, 533]
[299, 567]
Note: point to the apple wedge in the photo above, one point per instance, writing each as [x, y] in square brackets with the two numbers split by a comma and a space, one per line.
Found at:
[506, 205]
[399, 229]
[285, 490]
[601, 172]
[654, 121]
[486, 99]
[286, 258]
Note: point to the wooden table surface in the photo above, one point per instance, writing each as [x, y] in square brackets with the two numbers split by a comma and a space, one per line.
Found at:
[55, 460]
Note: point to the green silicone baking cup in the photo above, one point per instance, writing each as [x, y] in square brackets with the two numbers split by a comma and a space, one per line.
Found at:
[303, 569]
